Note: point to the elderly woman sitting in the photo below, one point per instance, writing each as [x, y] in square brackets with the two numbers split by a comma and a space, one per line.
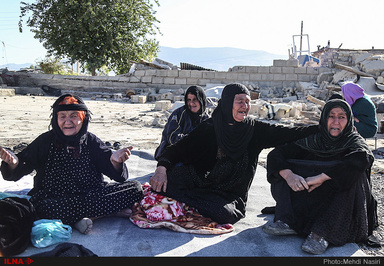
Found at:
[321, 184]
[70, 163]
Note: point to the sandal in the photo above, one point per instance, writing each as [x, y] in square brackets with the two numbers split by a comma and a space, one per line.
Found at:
[315, 244]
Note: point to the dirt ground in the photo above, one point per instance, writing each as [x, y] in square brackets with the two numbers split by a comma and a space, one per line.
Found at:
[23, 118]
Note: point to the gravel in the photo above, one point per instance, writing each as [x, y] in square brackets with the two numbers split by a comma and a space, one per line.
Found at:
[377, 178]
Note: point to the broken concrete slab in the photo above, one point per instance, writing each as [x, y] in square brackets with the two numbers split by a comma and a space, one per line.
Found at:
[369, 86]
[163, 105]
[7, 92]
[167, 96]
[138, 99]
[154, 97]
[373, 65]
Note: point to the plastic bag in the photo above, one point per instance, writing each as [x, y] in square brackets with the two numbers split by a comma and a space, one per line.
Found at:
[48, 232]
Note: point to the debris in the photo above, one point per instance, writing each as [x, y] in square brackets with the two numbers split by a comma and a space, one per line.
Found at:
[154, 64]
[356, 71]
[342, 76]
[7, 92]
[167, 96]
[369, 85]
[326, 76]
[117, 96]
[154, 97]
[214, 91]
[314, 100]
[129, 93]
[138, 99]
[163, 105]
[373, 65]
[282, 111]
[187, 66]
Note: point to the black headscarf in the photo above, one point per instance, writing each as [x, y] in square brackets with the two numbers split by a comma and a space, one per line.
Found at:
[324, 144]
[201, 97]
[75, 140]
[232, 137]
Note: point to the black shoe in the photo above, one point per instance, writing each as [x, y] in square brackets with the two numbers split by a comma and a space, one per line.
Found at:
[117, 145]
[108, 144]
[315, 244]
[278, 228]
[268, 210]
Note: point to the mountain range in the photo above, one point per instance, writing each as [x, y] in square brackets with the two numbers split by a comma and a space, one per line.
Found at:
[12, 66]
[216, 58]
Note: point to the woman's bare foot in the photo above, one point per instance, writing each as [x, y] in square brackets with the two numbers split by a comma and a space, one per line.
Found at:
[124, 213]
[84, 225]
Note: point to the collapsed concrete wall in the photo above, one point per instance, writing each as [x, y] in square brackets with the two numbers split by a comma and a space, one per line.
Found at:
[283, 74]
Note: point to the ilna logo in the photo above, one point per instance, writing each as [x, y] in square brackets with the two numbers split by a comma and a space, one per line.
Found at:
[13, 261]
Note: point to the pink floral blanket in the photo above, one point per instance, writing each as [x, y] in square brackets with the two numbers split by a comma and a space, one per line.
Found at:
[157, 211]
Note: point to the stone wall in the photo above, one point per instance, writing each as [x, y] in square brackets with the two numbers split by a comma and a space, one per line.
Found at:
[283, 74]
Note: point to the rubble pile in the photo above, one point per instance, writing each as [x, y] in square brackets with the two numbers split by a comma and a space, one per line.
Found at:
[286, 106]
[291, 105]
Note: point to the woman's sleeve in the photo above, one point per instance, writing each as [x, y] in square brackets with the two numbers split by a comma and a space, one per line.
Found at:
[352, 167]
[269, 135]
[277, 160]
[31, 158]
[172, 132]
[195, 145]
[173, 129]
[101, 154]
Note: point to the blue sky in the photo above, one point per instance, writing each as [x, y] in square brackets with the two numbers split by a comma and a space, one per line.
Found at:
[16, 47]
[249, 24]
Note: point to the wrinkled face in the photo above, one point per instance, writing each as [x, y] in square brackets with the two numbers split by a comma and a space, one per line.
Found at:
[337, 121]
[241, 106]
[193, 103]
[69, 122]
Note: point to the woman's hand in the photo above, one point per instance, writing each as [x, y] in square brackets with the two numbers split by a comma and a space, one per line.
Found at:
[294, 181]
[159, 180]
[120, 156]
[316, 181]
[9, 157]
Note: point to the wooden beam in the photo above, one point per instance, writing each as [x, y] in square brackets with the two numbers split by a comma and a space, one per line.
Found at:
[350, 69]
[315, 100]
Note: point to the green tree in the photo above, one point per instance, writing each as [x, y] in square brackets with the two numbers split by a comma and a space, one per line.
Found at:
[51, 65]
[112, 33]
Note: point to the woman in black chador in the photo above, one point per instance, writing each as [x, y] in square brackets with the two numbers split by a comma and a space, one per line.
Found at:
[184, 119]
[70, 163]
[321, 184]
[220, 158]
